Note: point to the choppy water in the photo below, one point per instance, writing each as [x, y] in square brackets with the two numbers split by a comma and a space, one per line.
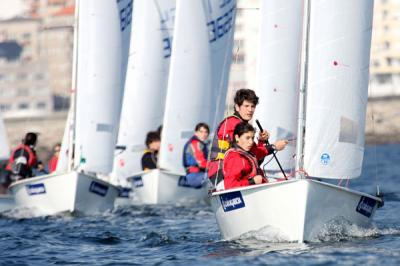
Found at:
[171, 235]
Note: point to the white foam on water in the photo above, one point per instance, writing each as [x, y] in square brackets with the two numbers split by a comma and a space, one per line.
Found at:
[343, 230]
[22, 213]
[266, 234]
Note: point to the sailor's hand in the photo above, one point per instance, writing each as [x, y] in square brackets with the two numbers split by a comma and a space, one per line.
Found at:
[281, 144]
[258, 179]
[263, 136]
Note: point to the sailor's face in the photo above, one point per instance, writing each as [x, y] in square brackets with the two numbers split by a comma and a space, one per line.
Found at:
[155, 145]
[246, 110]
[245, 141]
[202, 134]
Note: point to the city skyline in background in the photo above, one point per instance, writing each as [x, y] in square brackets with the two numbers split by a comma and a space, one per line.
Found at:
[36, 46]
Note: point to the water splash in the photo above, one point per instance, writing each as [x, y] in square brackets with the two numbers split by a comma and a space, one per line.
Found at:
[336, 231]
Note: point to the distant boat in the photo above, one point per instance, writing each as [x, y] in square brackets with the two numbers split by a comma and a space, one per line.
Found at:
[145, 86]
[102, 28]
[197, 85]
[332, 108]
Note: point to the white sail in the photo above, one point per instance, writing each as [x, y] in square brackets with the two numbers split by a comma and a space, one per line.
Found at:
[4, 146]
[146, 81]
[201, 57]
[339, 51]
[278, 73]
[62, 162]
[102, 25]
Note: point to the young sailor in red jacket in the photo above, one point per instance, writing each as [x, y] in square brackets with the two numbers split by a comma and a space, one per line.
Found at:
[240, 165]
[245, 104]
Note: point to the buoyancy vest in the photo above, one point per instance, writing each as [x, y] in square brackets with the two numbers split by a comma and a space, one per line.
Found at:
[190, 162]
[222, 141]
[21, 161]
[153, 159]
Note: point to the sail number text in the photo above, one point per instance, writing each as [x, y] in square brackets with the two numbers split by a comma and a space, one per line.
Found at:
[221, 25]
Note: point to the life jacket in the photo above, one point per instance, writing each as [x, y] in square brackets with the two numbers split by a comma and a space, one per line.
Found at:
[22, 159]
[153, 159]
[190, 162]
[223, 142]
[255, 169]
[220, 145]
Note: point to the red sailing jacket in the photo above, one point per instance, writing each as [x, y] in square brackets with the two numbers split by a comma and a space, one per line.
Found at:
[223, 140]
[53, 163]
[240, 166]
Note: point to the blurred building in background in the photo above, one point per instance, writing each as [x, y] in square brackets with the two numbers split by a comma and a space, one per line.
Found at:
[24, 80]
[36, 59]
[385, 50]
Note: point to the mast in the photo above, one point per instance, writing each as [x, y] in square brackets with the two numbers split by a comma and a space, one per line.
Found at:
[71, 123]
[303, 91]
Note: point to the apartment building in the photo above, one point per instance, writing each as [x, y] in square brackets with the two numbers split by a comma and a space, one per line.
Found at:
[385, 49]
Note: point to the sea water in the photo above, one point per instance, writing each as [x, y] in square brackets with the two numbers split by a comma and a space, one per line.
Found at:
[188, 235]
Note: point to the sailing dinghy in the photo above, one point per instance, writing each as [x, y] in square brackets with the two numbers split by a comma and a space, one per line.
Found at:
[99, 67]
[332, 108]
[145, 87]
[197, 84]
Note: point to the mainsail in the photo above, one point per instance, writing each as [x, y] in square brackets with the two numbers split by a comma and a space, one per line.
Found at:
[102, 26]
[201, 57]
[339, 52]
[278, 74]
[146, 81]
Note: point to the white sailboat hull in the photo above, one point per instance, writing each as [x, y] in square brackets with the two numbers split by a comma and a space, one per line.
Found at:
[298, 209]
[6, 202]
[68, 192]
[160, 187]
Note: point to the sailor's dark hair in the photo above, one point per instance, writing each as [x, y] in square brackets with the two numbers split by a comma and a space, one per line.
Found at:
[202, 125]
[151, 137]
[30, 138]
[242, 128]
[245, 95]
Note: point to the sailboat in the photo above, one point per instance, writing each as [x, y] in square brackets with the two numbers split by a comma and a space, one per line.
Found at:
[200, 61]
[145, 86]
[6, 200]
[336, 39]
[99, 67]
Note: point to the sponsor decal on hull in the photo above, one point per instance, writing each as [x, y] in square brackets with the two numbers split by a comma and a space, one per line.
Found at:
[232, 201]
[35, 189]
[137, 181]
[98, 188]
[366, 206]
[124, 192]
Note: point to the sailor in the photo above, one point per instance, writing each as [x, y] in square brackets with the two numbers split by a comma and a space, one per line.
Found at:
[40, 169]
[240, 164]
[195, 155]
[23, 158]
[245, 104]
[149, 158]
[52, 165]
